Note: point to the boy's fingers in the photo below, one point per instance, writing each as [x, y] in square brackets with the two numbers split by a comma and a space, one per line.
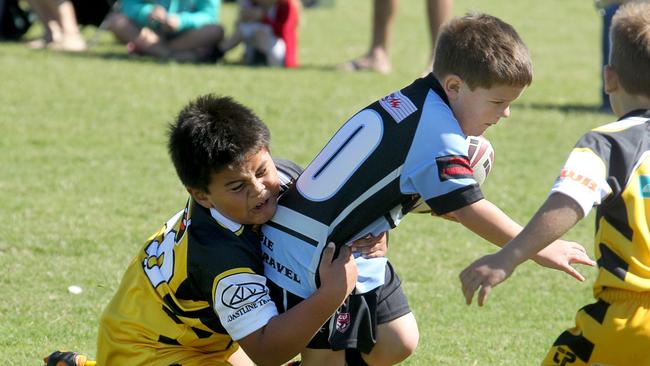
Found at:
[344, 253]
[573, 273]
[328, 253]
[583, 258]
[469, 287]
[483, 294]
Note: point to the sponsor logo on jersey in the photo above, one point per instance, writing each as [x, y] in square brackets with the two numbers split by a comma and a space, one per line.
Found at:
[398, 106]
[243, 298]
[585, 181]
[644, 185]
[342, 322]
[453, 167]
[281, 268]
[564, 357]
[240, 295]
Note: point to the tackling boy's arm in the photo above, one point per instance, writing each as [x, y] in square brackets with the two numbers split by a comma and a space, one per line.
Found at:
[556, 216]
[488, 221]
[285, 335]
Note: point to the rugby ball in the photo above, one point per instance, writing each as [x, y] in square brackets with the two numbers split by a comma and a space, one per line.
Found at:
[481, 157]
[481, 160]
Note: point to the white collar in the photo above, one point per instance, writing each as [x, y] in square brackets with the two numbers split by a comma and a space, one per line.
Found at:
[224, 221]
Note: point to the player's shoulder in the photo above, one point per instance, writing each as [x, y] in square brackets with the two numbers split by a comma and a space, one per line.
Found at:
[626, 133]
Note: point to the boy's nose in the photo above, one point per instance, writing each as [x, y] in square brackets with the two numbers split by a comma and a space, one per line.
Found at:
[258, 186]
[506, 112]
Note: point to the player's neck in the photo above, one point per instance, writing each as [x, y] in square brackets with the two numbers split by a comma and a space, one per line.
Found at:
[629, 103]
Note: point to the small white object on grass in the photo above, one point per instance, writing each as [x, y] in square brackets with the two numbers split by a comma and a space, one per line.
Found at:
[74, 289]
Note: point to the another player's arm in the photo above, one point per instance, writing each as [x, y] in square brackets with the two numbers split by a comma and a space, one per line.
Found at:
[489, 222]
[556, 216]
[287, 334]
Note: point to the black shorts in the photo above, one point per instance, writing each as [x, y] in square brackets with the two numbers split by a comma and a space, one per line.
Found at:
[354, 325]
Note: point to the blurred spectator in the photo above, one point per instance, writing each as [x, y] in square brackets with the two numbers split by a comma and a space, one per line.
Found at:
[268, 29]
[14, 20]
[377, 57]
[60, 24]
[183, 30]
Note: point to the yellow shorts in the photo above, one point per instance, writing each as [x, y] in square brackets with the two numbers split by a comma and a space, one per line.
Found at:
[615, 330]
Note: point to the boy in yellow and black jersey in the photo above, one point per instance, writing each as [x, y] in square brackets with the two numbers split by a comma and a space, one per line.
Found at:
[196, 291]
[609, 168]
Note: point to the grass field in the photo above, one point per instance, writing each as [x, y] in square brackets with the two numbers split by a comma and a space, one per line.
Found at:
[85, 178]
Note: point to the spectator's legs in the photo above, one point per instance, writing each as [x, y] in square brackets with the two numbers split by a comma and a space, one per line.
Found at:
[396, 340]
[438, 12]
[233, 41]
[61, 28]
[266, 42]
[377, 58]
[46, 12]
[195, 44]
[72, 39]
[144, 40]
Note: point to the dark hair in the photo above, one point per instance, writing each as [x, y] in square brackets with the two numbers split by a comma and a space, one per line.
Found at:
[211, 133]
[483, 51]
[630, 55]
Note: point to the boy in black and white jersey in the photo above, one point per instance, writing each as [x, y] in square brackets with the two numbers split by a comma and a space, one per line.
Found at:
[407, 146]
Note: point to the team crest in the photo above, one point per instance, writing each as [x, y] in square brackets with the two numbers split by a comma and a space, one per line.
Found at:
[342, 322]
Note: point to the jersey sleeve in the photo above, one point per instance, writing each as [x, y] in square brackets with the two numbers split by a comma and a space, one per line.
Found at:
[584, 174]
[437, 167]
[242, 302]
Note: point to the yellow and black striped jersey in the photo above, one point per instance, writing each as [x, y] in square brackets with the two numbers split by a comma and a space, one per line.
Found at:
[610, 168]
[197, 285]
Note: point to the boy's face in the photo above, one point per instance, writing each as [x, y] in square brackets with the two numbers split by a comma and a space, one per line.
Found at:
[478, 109]
[246, 193]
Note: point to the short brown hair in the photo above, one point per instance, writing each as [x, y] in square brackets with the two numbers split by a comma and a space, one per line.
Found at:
[484, 51]
[630, 55]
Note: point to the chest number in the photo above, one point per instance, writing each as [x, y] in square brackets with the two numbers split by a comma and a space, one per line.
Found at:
[341, 157]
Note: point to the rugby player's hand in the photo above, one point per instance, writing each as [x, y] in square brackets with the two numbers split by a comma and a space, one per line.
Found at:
[372, 246]
[338, 277]
[58, 358]
[484, 274]
[561, 254]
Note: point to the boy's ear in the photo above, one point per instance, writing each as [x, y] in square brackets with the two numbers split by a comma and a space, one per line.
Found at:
[200, 196]
[451, 84]
[610, 78]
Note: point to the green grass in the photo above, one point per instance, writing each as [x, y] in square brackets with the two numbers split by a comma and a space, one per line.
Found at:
[85, 178]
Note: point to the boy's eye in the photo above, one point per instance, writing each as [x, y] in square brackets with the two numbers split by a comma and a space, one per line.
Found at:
[261, 173]
[236, 188]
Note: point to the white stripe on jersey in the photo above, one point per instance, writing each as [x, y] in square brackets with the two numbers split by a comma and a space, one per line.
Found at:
[303, 224]
[621, 125]
[361, 199]
[398, 105]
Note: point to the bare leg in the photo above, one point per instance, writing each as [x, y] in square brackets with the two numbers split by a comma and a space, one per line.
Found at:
[317, 357]
[377, 58]
[438, 12]
[46, 12]
[396, 341]
[72, 39]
